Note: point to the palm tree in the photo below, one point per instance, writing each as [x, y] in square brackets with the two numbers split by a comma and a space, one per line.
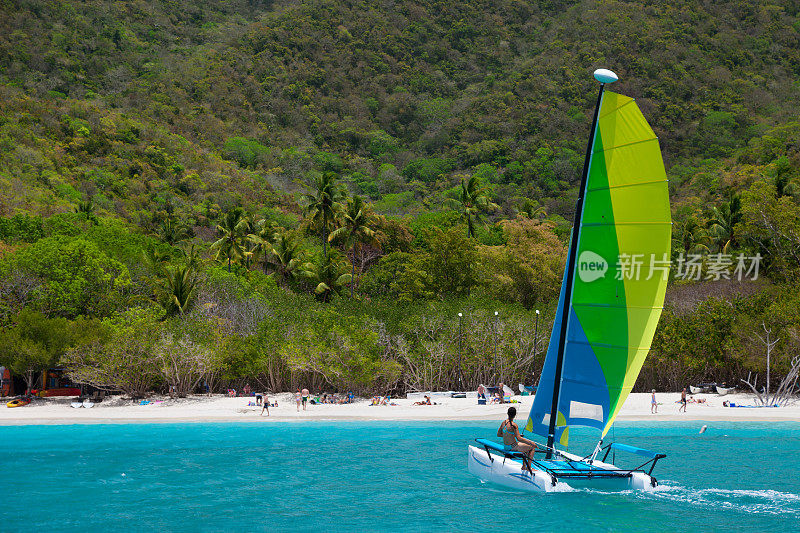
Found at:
[323, 203]
[172, 232]
[178, 287]
[691, 237]
[87, 209]
[192, 254]
[261, 240]
[327, 275]
[156, 258]
[232, 230]
[723, 220]
[355, 229]
[531, 209]
[286, 258]
[472, 202]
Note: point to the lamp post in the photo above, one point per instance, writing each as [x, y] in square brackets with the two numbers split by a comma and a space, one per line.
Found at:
[496, 315]
[460, 356]
[535, 340]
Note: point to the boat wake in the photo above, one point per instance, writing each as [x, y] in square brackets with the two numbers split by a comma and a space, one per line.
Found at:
[768, 502]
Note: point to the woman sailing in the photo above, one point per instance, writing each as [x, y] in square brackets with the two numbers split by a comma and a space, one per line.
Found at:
[512, 440]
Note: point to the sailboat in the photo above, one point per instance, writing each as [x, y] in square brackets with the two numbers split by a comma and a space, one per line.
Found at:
[610, 302]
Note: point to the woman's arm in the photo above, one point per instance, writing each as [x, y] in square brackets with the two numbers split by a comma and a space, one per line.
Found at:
[500, 429]
[522, 439]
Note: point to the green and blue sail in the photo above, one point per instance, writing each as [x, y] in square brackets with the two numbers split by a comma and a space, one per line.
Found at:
[620, 276]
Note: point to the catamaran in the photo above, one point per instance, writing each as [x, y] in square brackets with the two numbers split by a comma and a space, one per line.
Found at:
[611, 299]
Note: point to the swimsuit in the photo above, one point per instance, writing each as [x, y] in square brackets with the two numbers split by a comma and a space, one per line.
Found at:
[507, 430]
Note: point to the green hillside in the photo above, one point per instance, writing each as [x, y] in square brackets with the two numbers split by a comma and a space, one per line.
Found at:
[434, 89]
[165, 148]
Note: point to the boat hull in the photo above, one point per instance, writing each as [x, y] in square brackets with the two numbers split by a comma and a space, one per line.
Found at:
[19, 402]
[702, 388]
[509, 473]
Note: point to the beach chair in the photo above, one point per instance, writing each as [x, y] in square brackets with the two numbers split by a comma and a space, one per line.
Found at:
[97, 396]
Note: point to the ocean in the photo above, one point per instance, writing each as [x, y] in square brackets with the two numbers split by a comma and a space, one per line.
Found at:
[377, 476]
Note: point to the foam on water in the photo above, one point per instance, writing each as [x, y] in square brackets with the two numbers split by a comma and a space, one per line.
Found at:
[764, 501]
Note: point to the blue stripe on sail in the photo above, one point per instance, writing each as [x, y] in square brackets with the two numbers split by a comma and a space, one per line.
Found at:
[582, 381]
[543, 400]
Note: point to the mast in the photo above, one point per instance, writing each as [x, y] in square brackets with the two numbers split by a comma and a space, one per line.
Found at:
[603, 76]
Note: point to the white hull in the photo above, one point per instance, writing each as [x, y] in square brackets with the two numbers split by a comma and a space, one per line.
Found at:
[509, 473]
[722, 391]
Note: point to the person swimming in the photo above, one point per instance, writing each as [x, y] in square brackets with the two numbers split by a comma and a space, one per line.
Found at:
[512, 439]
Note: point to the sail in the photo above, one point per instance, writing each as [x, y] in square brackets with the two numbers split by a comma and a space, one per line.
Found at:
[620, 275]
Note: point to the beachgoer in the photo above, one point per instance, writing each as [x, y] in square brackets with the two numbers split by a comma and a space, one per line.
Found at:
[501, 393]
[258, 398]
[683, 401]
[512, 440]
[426, 401]
[298, 398]
[246, 390]
[265, 405]
[653, 404]
[305, 398]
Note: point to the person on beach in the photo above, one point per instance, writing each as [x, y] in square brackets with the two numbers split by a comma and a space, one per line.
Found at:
[683, 401]
[426, 401]
[298, 399]
[265, 405]
[259, 398]
[512, 440]
[305, 398]
[481, 392]
[653, 404]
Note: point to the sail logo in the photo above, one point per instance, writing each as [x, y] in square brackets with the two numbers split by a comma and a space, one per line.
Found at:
[591, 266]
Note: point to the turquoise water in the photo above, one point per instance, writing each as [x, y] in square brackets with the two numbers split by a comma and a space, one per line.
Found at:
[374, 476]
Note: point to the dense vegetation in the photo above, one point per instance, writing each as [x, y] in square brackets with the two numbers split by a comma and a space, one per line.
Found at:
[282, 192]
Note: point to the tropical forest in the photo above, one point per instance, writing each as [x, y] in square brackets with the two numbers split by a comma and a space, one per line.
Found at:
[377, 197]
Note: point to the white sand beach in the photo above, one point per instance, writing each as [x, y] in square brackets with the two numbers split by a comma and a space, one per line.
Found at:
[220, 408]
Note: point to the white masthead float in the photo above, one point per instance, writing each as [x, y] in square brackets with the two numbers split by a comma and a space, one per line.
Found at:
[607, 313]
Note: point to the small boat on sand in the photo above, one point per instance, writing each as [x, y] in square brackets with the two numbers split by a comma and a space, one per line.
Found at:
[724, 391]
[19, 402]
[702, 388]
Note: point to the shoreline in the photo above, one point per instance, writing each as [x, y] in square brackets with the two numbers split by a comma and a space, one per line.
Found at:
[277, 420]
[223, 409]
